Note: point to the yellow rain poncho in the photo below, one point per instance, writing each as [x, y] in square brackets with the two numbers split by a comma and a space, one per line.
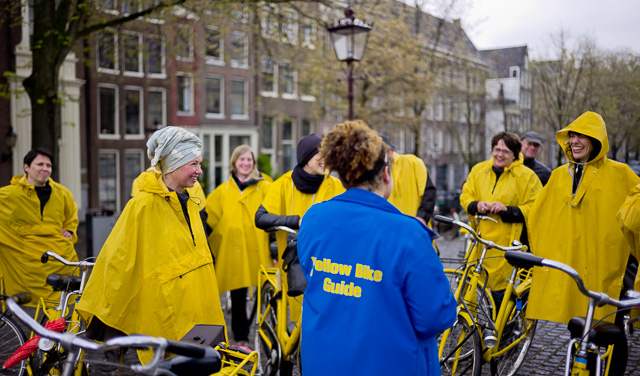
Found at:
[26, 233]
[409, 179]
[580, 230]
[284, 199]
[517, 186]
[238, 246]
[629, 220]
[154, 274]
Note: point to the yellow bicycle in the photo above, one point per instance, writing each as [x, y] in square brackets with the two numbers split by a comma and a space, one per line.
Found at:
[591, 346]
[481, 333]
[276, 341]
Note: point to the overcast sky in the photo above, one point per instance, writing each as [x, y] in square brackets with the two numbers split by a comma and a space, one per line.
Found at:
[614, 24]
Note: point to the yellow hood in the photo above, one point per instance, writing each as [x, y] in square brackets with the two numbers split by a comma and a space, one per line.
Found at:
[589, 124]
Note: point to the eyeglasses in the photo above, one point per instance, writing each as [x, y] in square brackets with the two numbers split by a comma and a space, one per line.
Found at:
[502, 151]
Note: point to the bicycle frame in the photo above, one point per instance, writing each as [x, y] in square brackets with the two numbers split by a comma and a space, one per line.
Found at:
[288, 342]
[473, 282]
[576, 362]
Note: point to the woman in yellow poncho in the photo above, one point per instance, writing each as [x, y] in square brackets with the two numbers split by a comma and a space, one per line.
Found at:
[574, 221]
[155, 273]
[504, 189]
[36, 215]
[293, 193]
[238, 246]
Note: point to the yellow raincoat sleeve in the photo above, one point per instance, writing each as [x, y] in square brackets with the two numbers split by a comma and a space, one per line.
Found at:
[154, 274]
[26, 233]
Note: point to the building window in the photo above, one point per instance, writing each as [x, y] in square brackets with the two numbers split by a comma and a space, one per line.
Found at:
[108, 6]
[185, 93]
[308, 36]
[156, 56]
[288, 81]
[133, 166]
[269, 21]
[239, 49]
[107, 51]
[132, 53]
[239, 99]
[214, 96]
[514, 72]
[133, 111]
[108, 110]
[305, 127]
[130, 6]
[214, 46]
[287, 144]
[267, 132]
[156, 112]
[269, 77]
[307, 89]
[108, 180]
[289, 27]
[184, 43]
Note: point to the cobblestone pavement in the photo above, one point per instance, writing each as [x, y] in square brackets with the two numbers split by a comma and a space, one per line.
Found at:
[546, 356]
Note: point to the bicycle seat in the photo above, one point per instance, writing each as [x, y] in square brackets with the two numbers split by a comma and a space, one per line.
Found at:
[602, 334]
[183, 365]
[61, 282]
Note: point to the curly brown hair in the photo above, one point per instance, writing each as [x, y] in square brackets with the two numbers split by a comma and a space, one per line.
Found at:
[355, 152]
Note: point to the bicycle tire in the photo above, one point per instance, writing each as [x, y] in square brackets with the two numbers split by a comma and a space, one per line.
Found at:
[11, 338]
[462, 354]
[517, 325]
[266, 341]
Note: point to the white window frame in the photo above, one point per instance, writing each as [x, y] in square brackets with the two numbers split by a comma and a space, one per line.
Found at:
[309, 41]
[514, 69]
[245, 62]
[212, 60]
[211, 115]
[163, 57]
[113, 10]
[163, 92]
[115, 152]
[307, 97]
[189, 33]
[289, 142]
[141, 120]
[152, 19]
[116, 127]
[245, 114]
[294, 73]
[191, 110]
[274, 92]
[208, 136]
[140, 71]
[116, 63]
[269, 23]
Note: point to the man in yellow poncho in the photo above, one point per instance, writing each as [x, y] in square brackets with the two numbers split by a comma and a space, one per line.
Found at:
[504, 189]
[413, 191]
[629, 220]
[155, 273]
[36, 215]
[574, 221]
[293, 193]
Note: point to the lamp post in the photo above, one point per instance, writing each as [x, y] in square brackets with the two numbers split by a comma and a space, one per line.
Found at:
[349, 38]
[10, 139]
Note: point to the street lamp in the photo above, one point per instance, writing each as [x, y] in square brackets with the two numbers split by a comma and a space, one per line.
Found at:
[349, 37]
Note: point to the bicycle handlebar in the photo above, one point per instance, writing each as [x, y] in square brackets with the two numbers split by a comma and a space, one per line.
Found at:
[73, 341]
[282, 228]
[488, 243]
[528, 260]
[45, 258]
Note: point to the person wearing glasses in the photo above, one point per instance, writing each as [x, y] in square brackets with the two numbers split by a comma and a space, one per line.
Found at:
[503, 189]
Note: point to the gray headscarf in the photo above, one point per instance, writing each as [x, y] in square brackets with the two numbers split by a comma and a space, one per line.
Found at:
[172, 147]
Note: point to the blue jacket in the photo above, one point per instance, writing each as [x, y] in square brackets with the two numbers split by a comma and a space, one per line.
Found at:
[377, 295]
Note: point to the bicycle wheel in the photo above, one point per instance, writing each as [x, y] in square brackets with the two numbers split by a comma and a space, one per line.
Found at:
[517, 327]
[266, 341]
[462, 354]
[11, 338]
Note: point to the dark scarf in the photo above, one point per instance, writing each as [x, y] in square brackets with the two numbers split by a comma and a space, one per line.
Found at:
[243, 185]
[44, 193]
[305, 182]
[577, 176]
